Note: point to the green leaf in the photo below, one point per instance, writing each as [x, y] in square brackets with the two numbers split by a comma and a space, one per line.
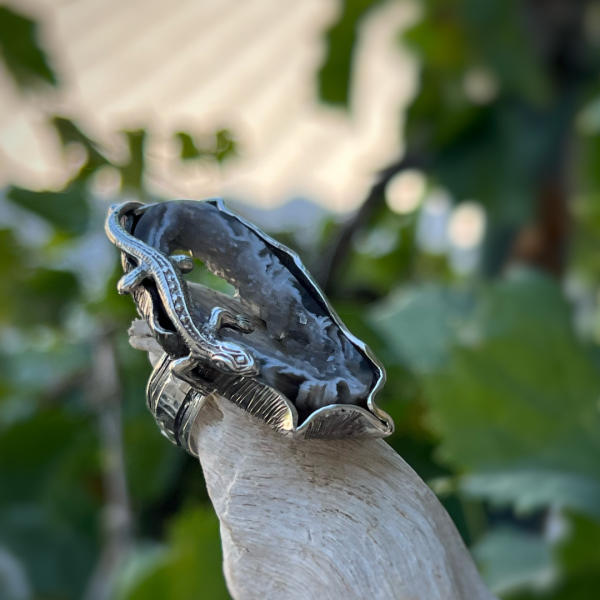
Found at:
[579, 551]
[70, 133]
[20, 456]
[530, 490]
[226, 145]
[190, 566]
[22, 54]
[12, 267]
[456, 35]
[335, 74]
[511, 560]
[420, 324]
[198, 561]
[189, 151]
[68, 210]
[45, 297]
[588, 120]
[578, 558]
[143, 575]
[48, 504]
[33, 378]
[516, 390]
[525, 394]
[32, 296]
[58, 558]
[583, 587]
[217, 147]
[132, 172]
[153, 466]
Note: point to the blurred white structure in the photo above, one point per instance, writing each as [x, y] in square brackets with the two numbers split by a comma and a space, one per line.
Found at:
[466, 230]
[198, 65]
[405, 191]
[432, 225]
[467, 225]
[454, 230]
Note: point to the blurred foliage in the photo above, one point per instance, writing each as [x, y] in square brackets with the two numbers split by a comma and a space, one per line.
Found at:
[21, 52]
[504, 112]
[335, 73]
[513, 386]
[156, 573]
[497, 372]
[217, 147]
[67, 210]
[493, 375]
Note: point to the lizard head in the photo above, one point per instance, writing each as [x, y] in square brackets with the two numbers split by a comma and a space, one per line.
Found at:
[231, 358]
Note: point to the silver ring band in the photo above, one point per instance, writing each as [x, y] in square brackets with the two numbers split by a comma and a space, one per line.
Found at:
[174, 403]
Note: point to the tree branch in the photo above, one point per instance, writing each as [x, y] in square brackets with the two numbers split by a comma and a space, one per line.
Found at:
[335, 257]
[105, 396]
[323, 519]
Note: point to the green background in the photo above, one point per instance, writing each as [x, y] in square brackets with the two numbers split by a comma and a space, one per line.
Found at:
[493, 378]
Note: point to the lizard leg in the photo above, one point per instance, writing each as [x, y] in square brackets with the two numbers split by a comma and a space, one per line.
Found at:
[182, 366]
[183, 263]
[222, 317]
[131, 280]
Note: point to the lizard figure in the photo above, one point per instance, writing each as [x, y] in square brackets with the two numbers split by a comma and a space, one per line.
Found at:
[166, 273]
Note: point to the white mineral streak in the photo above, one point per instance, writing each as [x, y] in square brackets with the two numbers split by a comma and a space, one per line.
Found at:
[327, 520]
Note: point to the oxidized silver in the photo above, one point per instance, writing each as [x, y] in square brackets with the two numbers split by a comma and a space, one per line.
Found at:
[174, 403]
[198, 362]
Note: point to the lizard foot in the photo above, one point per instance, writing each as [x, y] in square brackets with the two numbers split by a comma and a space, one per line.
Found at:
[131, 280]
[183, 263]
[182, 366]
[221, 317]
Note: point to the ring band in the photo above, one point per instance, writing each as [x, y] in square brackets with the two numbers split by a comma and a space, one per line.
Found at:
[174, 403]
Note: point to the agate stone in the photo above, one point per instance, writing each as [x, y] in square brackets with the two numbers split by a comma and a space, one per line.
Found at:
[302, 351]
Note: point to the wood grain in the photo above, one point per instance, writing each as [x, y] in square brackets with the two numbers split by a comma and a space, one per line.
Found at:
[346, 519]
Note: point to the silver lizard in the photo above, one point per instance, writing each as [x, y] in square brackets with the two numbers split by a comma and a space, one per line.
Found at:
[166, 272]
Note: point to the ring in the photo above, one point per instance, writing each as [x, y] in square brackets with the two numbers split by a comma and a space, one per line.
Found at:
[276, 348]
[174, 403]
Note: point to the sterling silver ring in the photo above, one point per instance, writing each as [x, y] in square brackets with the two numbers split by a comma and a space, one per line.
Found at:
[276, 348]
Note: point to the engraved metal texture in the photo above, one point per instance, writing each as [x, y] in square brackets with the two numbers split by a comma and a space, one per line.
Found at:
[198, 361]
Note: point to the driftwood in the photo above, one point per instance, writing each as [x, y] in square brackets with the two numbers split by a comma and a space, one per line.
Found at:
[345, 519]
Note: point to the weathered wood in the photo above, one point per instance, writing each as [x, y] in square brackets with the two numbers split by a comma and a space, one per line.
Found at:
[324, 519]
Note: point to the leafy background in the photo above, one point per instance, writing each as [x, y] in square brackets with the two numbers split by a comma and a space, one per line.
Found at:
[494, 375]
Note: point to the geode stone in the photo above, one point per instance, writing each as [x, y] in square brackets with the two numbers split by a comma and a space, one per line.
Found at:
[303, 349]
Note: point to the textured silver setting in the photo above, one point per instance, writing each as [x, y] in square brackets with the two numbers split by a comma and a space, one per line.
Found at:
[200, 363]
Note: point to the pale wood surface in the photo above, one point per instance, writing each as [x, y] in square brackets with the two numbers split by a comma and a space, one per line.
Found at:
[324, 519]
